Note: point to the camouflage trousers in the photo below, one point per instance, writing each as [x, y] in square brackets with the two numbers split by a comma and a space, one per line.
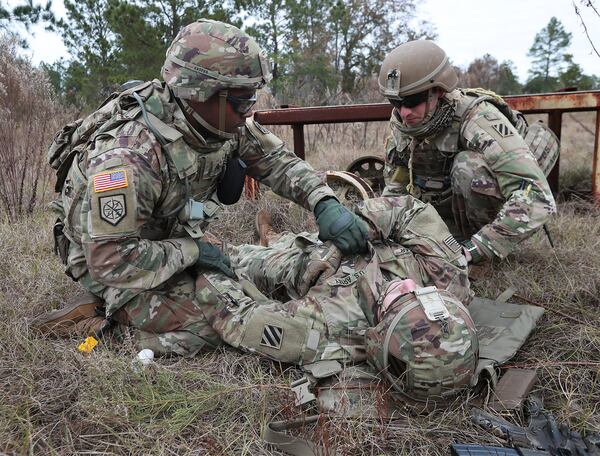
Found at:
[476, 198]
[262, 312]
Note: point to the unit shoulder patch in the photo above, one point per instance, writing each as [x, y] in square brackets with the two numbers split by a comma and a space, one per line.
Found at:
[502, 129]
[113, 208]
[272, 336]
[452, 243]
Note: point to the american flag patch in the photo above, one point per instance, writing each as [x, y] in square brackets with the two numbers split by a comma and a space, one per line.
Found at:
[452, 243]
[104, 182]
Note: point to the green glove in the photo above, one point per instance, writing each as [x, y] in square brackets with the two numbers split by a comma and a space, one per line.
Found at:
[340, 226]
[211, 257]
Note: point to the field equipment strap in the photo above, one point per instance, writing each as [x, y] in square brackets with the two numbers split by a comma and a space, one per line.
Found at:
[275, 434]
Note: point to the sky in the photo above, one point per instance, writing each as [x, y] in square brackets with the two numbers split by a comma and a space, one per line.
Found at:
[466, 29]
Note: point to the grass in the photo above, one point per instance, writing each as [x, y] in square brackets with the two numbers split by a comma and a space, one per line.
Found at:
[55, 400]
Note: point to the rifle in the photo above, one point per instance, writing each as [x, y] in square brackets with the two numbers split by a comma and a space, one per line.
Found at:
[543, 433]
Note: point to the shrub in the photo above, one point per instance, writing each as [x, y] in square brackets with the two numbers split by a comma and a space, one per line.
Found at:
[29, 116]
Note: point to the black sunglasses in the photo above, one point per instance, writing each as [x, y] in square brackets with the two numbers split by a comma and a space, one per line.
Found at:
[242, 105]
[411, 100]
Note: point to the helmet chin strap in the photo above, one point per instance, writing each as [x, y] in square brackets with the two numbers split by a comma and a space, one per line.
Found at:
[222, 108]
[218, 132]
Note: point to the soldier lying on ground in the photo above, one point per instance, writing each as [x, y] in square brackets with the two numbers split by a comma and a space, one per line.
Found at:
[401, 306]
[466, 152]
[143, 176]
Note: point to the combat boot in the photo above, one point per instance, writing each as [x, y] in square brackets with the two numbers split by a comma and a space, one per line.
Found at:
[264, 227]
[92, 326]
[63, 322]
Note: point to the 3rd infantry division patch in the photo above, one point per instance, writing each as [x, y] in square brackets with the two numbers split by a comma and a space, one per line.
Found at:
[502, 129]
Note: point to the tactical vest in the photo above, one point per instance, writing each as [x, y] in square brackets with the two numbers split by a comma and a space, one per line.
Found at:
[433, 158]
[197, 171]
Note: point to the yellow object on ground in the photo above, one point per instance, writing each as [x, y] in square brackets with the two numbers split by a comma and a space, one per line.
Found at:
[87, 345]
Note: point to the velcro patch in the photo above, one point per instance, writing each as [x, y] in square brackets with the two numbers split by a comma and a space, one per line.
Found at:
[503, 129]
[113, 208]
[452, 243]
[272, 336]
[110, 180]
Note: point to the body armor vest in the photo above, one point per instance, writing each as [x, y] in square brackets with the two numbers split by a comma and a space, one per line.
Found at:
[433, 157]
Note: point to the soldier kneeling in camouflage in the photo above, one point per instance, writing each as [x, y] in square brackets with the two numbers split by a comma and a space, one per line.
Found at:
[144, 175]
[466, 152]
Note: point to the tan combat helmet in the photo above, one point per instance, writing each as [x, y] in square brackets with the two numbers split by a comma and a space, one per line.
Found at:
[414, 67]
[208, 57]
[425, 344]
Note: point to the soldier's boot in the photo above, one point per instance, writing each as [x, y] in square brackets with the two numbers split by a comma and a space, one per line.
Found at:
[264, 227]
[91, 326]
[63, 322]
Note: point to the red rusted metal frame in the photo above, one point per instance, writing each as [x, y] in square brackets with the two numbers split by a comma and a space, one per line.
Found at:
[553, 104]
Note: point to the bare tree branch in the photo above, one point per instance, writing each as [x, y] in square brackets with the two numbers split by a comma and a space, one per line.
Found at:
[590, 4]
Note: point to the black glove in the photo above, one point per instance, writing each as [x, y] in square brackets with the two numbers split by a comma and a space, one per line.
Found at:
[337, 224]
[213, 258]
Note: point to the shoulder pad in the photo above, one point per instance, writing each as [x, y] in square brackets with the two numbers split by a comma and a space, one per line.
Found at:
[265, 138]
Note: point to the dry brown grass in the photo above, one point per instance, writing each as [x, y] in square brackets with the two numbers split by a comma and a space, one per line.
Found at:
[54, 400]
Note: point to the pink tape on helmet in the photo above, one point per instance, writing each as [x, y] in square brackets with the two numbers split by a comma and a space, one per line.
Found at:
[396, 289]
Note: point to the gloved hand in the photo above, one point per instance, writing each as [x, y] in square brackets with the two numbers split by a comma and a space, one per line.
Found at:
[213, 258]
[320, 265]
[340, 226]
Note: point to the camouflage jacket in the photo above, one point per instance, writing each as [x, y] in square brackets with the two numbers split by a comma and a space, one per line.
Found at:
[481, 128]
[122, 198]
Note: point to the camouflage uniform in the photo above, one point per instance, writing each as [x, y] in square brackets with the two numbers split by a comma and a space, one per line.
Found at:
[122, 197]
[408, 240]
[478, 172]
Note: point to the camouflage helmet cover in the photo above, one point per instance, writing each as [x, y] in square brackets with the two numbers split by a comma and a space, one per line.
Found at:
[425, 344]
[414, 67]
[208, 56]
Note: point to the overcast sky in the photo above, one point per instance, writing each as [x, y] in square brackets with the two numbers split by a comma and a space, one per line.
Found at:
[466, 29]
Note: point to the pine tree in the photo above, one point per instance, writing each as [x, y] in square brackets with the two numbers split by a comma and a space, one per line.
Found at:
[549, 52]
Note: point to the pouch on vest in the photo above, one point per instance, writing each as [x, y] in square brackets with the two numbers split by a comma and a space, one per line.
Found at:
[544, 145]
[231, 184]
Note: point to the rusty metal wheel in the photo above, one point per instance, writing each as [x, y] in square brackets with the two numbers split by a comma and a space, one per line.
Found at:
[370, 169]
[348, 187]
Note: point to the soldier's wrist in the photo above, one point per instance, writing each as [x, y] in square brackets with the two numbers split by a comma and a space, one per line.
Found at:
[472, 252]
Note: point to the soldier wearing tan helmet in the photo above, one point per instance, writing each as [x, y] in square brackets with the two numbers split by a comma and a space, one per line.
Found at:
[466, 152]
[141, 178]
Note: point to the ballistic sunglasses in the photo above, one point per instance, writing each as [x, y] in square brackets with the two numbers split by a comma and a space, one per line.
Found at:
[411, 100]
[242, 105]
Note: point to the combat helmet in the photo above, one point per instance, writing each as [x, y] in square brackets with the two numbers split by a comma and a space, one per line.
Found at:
[414, 67]
[425, 343]
[208, 57]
